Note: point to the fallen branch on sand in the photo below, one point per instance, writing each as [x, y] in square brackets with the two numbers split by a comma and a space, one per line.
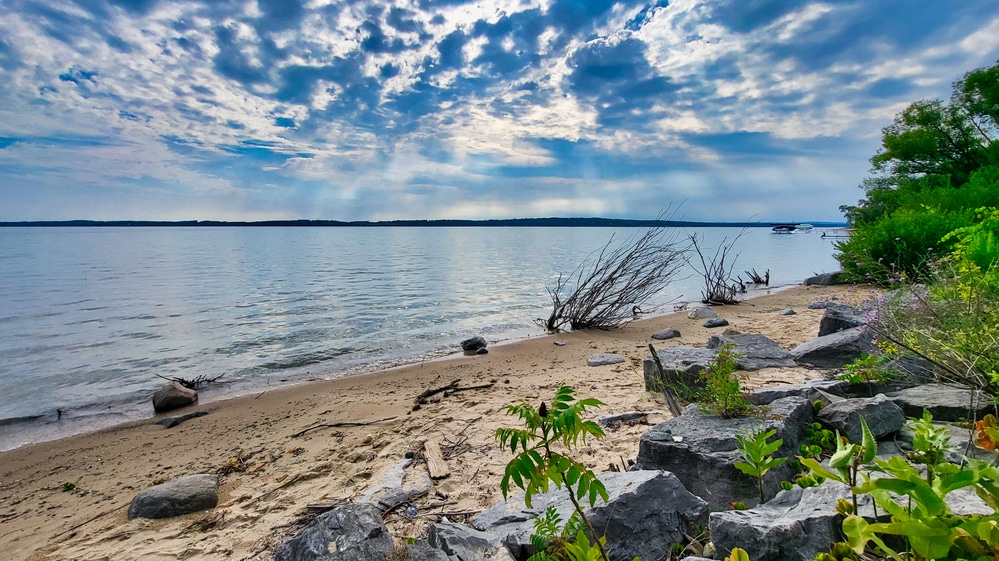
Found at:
[192, 384]
[345, 424]
[450, 389]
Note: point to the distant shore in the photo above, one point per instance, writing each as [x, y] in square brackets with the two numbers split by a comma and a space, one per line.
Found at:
[504, 223]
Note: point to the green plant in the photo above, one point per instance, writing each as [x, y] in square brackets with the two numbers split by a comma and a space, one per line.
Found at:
[846, 461]
[722, 394]
[867, 369]
[737, 554]
[819, 441]
[68, 486]
[537, 464]
[758, 454]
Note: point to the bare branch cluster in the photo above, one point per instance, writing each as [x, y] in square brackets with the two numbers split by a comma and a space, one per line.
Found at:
[193, 384]
[603, 291]
[716, 270]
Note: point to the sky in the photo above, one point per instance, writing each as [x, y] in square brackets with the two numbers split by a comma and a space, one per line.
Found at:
[451, 109]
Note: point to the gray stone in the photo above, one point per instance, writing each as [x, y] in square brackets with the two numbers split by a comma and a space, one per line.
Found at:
[668, 333]
[703, 312]
[794, 526]
[171, 422]
[182, 495]
[818, 305]
[882, 415]
[351, 532]
[648, 511]
[680, 362]
[473, 344]
[811, 390]
[397, 486]
[915, 371]
[787, 312]
[755, 351]
[700, 450]
[839, 317]
[716, 322]
[630, 417]
[945, 403]
[462, 543]
[834, 350]
[421, 550]
[173, 396]
[604, 359]
[825, 279]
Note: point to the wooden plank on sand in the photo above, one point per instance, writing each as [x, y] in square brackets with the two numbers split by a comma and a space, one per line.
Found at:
[435, 459]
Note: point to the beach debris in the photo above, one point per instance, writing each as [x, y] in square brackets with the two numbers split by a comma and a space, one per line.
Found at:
[604, 359]
[171, 422]
[716, 322]
[173, 396]
[182, 495]
[668, 333]
[473, 344]
[719, 286]
[193, 383]
[396, 487]
[436, 464]
[343, 424]
[787, 312]
[660, 376]
[630, 417]
[559, 343]
[756, 278]
[448, 390]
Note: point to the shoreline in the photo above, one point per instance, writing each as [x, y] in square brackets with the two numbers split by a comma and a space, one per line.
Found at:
[283, 473]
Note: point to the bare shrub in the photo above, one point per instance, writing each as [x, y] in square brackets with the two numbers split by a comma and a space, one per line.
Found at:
[719, 286]
[602, 292]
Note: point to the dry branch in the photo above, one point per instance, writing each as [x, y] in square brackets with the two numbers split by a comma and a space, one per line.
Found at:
[719, 286]
[329, 425]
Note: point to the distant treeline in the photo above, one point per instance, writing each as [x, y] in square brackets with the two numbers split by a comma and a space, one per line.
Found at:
[511, 222]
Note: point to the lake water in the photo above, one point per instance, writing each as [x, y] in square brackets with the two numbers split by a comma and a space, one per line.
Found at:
[90, 316]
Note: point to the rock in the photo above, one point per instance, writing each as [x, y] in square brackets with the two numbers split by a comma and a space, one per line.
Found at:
[811, 390]
[839, 317]
[915, 371]
[473, 344]
[700, 449]
[757, 351]
[604, 359]
[882, 415]
[648, 511]
[787, 312]
[716, 322]
[704, 312]
[817, 305]
[836, 349]
[795, 525]
[421, 550]
[945, 403]
[825, 279]
[397, 486]
[171, 422]
[461, 542]
[668, 333]
[351, 532]
[182, 495]
[680, 362]
[173, 396]
[482, 351]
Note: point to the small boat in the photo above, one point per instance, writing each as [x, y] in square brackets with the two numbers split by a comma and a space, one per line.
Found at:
[805, 227]
[784, 228]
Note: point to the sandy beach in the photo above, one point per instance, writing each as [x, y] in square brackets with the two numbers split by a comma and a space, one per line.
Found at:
[270, 475]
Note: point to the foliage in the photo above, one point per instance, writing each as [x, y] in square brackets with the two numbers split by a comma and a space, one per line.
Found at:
[819, 441]
[758, 454]
[602, 292]
[737, 554]
[536, 464]
[722, 394]
[867, 369]
[844, 464]
[554, 540]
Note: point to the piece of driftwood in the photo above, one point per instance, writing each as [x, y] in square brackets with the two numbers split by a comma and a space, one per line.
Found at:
[171, 422]
[449, 389]
[436, 464]
[674, 408]
[622, 418]
[193, 383]
[345, 424]
[320, 507]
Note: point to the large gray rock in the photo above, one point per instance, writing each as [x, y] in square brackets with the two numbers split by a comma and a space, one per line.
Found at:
[703, 312]
[351, 532]
[681, 362]
[421, 550]
[812, 390]
[473, 344]
[173, 396]
[182, 495]
[794, 526]
[836, 349]
[700, 449]
[647, 513]
[754, 351]
[825, 279]
[839, 317]
[945, 403]
[882, 415]
[668, 333]
[462, 543]
[715, 322]
[396, 486]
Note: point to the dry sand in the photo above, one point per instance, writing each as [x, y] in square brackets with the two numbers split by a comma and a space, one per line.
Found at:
[263, 505]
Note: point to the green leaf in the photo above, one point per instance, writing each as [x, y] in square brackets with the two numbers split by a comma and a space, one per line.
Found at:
[867, 442]
[817, 468]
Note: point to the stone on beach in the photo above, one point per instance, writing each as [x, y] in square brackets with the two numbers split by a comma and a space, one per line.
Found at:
[173, 396]
[351, 532]
[473, 344]
[179, 496]
[716, 322]
[704, 312]
[604, 359]
[668, 333]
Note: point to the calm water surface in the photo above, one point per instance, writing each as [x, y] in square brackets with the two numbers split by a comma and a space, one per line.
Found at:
[90, 316]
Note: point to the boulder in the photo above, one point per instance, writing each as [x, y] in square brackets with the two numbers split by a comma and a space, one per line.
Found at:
[703, 312]
[825, 279]
[755, 351]
[647, 513]
[700, 450]
[397, 486]
[173, 396]
[351, 532]
[834, 350]
[680, 362]
[818, 305]
[812, 390]
[668, 333]
[882, 415]
[716, 322]
[462, 543]
[182, 495]
[945, 403]
[473, 344]
[915, 371]
[421, 550]
[604, 359]
[839, 317]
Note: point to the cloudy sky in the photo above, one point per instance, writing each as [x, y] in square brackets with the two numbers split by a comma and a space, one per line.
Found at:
[389, 109]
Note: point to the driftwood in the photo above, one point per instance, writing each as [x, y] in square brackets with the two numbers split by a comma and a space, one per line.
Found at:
[436, 464]
[193, 383]
[345, 424]
[674, 408]
[450, 389]
[756, 278]
[719, 286]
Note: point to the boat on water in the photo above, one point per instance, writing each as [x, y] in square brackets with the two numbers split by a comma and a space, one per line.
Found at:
[789, 227]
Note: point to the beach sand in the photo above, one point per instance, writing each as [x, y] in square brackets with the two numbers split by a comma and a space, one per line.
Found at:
[263, 505]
